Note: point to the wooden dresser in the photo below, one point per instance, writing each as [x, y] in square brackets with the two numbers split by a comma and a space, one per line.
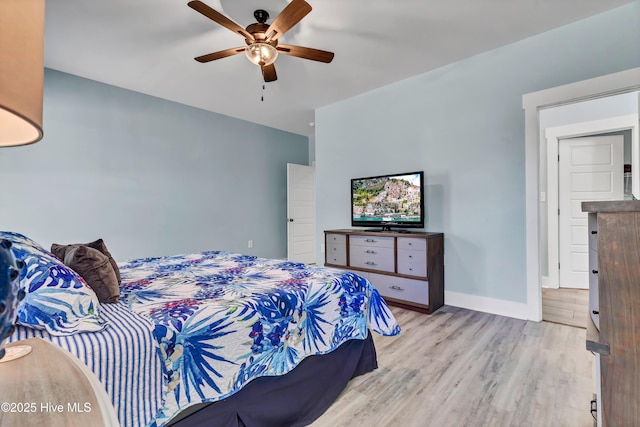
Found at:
[406, 268]
[614, 258]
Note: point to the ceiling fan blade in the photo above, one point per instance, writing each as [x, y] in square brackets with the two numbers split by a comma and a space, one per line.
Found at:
[219, 55]
[290, 16]
[269, 73]
[306, 53]
[216, 16]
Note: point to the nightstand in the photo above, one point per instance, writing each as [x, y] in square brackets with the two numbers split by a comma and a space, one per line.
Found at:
[51, 387]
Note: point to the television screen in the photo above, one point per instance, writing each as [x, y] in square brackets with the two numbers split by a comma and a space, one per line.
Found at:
[388, 201]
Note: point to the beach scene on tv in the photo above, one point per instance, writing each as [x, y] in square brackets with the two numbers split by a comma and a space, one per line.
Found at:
[387, 199]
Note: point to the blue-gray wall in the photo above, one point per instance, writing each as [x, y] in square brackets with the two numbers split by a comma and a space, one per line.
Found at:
[463, 124]
[151, 177]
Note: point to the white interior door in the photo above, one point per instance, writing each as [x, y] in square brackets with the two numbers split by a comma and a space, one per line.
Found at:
[590, 168]
[301, 213]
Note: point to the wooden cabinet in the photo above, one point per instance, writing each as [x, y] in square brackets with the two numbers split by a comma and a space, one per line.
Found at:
[613, 330]
[406, 268]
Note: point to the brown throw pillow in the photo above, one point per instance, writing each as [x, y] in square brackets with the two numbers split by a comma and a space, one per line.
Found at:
[99, 245]
[95, 269]
[60, 251]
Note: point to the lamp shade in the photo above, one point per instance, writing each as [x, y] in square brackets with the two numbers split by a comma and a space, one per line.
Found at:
[21, 71]
[261, 53]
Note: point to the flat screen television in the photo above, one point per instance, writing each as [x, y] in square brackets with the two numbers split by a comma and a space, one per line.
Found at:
[385, 201]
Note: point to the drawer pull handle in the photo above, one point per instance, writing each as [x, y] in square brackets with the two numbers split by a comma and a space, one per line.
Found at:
[370, 263]
[410, 256]
[595, 312]
[594, 271]
[369, 251]
[594, 231]
[371, 240]
[396, 288]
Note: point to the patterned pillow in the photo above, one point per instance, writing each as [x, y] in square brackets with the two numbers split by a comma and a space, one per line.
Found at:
[57, 298]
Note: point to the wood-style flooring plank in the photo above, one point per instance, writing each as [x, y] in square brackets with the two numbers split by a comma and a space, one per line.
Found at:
[565, 306]
[461, 368]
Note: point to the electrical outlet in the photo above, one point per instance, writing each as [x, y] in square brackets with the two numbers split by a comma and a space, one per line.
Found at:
[250, 244]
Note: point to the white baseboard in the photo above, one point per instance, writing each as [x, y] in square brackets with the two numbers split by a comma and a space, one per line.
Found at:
[500, 307]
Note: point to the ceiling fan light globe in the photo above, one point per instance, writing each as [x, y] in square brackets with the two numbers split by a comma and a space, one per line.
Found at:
[261, 54]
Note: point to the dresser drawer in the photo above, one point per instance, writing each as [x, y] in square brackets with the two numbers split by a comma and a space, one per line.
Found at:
[376, 258]
[336, 254]
[364, 274]
[338, 239]
[401, 288]
[593, 231]
[372, 241]
[594, 298]
[412, 243]
[412, 263]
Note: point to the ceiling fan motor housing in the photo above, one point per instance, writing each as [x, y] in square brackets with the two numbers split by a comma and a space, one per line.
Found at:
[259, 33]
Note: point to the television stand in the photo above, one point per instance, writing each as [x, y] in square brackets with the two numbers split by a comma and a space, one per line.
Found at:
[407, 270]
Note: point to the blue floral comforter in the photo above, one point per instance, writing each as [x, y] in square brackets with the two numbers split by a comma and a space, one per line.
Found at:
[223, 319]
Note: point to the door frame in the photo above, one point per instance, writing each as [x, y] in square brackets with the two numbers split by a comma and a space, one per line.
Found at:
[553, 136]
[598, 87]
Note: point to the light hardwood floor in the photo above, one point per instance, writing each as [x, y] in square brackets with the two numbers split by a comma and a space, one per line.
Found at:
[462, 368]
[566, 306]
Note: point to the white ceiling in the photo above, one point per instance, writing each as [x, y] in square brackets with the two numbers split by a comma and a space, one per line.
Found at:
[148, 46]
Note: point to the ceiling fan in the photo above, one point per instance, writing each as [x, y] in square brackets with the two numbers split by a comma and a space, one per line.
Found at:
[262, 39]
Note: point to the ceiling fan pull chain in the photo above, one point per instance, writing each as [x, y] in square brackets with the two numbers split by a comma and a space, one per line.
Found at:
[262, 97]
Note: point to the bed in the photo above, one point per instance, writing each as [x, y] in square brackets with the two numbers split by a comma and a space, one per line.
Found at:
[242, 339]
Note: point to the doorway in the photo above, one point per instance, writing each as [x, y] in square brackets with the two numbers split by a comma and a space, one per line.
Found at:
[550, 242]
[301, 213]
[582, 164]
[534, 103]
